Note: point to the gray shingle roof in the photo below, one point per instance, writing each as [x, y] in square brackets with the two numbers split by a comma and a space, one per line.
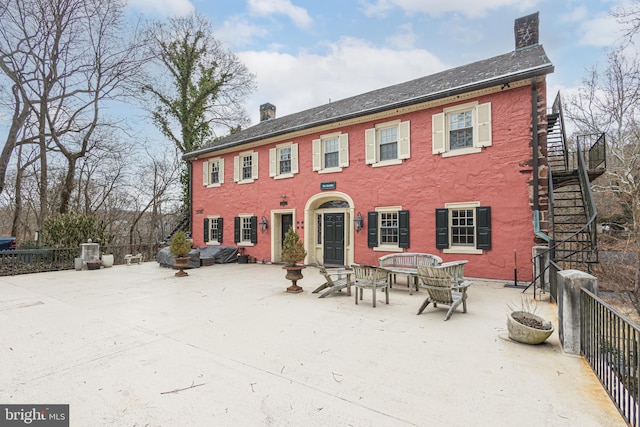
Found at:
[519, 64]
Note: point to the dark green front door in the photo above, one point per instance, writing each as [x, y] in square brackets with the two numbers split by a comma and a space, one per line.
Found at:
[333, 239]
[287, 222]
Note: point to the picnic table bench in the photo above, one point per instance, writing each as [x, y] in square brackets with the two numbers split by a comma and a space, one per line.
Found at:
[407, 263]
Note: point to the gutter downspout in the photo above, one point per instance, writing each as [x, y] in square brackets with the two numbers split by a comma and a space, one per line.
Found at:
[536, 161]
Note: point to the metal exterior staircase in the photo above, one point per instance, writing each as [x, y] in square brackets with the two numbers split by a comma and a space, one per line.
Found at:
[572, 209]
[183, 225]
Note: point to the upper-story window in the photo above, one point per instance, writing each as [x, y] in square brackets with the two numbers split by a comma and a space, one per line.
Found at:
[388, 143]
[331, 153]
[213, 172]
[283, 160]
[245, 167]
[463, 129]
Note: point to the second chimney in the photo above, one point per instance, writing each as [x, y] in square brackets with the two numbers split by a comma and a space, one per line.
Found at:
[526, 31]
[267, 112]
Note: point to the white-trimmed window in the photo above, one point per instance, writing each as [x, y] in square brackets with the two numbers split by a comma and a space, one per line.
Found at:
[331, 153]
[463, 129]
[213, 172]
[283, 160]
[388, 229]
[463, 228]
[245, 230]
[213, 230]
[388, 143]
[245, 167]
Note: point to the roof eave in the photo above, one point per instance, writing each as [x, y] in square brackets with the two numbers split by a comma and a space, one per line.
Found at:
[482, 84]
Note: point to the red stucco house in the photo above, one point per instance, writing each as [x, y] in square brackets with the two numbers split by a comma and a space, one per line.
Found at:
[451, 164]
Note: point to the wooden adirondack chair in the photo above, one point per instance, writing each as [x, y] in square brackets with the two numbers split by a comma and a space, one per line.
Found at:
[369, 277]
[444, 287]
[336, 279]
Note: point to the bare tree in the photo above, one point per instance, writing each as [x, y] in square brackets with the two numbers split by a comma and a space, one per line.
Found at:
[67, 59]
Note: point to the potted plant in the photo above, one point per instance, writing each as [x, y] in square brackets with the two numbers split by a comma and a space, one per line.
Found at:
[292, 253]
[525, 326]
[107, 258]
[180, 247]
[94, 264]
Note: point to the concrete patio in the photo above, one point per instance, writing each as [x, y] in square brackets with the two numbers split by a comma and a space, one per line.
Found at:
[226, 346]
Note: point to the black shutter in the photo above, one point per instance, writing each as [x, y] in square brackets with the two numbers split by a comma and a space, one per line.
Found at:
[442, 228]
[254, 229]
[372, 229]
[236, 229]
[483, 227]
[403, 229]
[219, 230]
[206, 230]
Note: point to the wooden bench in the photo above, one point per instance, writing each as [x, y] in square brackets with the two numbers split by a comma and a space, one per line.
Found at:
[129, 259]
[407, 263]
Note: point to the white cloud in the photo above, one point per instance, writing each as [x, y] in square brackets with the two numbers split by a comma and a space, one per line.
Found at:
[405, 38]
[470, 8]
[237, 32]
[297, 82]
[297, 14]
[163, 7]
[600, 30]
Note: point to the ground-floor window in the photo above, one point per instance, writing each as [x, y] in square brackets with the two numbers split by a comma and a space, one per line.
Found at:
[463, 228]
[213, 230]
[245, 229]
[388, 228]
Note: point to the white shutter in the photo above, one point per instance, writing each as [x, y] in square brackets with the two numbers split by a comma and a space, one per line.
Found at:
[205, 173]
[370, 145]
[236, 169]
[343, 154]
[437, 134]
[221, 170]
[404, 142]
[254, 165]
[317, 154]
[483, 120]
[273, 162]
[294, 158]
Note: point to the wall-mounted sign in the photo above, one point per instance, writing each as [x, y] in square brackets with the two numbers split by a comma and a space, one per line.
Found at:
[328, 185]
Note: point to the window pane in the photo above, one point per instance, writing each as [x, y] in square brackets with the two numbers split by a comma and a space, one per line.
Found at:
[247, 167]
[215, 173]
[462, 227]
[214, 233]
[285, 160]
[389, 228]
[246, 229]
[388, 143]
[331, 156]
[460, 130]
[319, 241]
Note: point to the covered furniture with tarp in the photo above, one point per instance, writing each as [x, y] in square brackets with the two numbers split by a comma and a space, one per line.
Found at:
[166, 259]
[210, 255]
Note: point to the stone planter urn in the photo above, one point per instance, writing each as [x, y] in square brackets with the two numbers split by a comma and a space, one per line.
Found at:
[182, 262]
[107, 260]
[294, 273]
[528, 328]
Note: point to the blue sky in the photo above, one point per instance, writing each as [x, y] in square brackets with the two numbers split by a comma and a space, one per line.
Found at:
[305, 53]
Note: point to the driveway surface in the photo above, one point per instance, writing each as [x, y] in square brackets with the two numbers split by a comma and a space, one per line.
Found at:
[226, 346]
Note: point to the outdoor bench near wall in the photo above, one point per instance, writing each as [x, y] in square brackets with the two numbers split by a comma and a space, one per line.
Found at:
[407, 263]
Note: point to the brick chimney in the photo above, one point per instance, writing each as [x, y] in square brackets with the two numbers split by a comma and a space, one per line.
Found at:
[267, 112]
[526, 31]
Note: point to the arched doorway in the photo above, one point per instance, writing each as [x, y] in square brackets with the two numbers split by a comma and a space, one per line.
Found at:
[328, 229]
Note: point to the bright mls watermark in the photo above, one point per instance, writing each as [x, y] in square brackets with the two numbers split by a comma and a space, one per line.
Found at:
[34, 415]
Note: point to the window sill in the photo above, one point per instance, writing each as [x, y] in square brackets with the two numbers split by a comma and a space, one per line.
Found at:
[283, 176]
[330, 170]
[462, 151]
[217, 184]
[388, 249]
[244, 244]
[387, 163]
[213, 243]
[463, 250]
[245, 181]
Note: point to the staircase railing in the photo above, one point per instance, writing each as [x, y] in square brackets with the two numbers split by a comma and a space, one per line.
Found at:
[182, 225]
[556, 108]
